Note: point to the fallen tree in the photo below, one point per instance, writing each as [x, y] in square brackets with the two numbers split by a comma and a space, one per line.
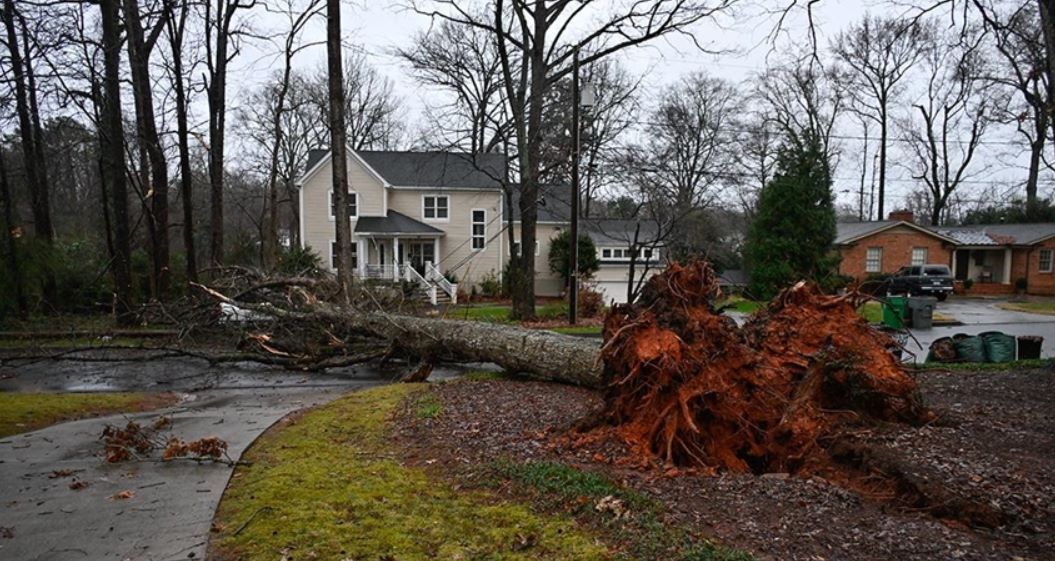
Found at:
[320, 330]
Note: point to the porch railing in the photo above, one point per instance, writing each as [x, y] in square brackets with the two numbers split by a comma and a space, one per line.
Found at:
[431, 281]
[388, 272]
[410, 274]
[433, 274]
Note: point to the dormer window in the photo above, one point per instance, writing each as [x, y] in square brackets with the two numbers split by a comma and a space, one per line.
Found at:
[435, 207]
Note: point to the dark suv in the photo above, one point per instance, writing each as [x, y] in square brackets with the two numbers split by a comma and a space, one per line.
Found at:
[930, 280]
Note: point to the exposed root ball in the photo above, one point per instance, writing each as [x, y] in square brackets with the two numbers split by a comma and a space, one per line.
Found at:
[686, 386]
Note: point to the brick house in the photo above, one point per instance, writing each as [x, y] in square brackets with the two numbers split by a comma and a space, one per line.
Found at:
[993, 256]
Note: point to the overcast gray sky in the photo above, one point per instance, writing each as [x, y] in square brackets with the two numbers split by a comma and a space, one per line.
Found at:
[379, 27]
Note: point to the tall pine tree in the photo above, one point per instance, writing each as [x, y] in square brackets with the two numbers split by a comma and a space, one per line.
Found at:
[794, 228]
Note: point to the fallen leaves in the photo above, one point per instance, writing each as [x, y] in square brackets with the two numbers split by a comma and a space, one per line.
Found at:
[135, 442]
[60, 473]
[77, 485]
[123, 495]
[613, 505]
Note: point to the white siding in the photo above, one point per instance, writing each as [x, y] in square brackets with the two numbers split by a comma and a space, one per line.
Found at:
[455, 247]
[318, 226]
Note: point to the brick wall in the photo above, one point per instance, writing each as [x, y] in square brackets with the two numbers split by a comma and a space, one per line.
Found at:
[897, 244]
[1039, 283]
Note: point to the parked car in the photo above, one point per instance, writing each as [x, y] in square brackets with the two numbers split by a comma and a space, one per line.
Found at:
[930, 280]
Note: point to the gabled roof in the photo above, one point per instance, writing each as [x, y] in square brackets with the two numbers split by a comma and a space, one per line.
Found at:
[554, 203]
[394, 223]
[619, 232]
[850, 232]
[428, 169]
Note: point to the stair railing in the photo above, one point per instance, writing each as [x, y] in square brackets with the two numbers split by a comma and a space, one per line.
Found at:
[433, 274]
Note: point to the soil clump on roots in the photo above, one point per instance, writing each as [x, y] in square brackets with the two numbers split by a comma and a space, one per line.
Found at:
[687, 387]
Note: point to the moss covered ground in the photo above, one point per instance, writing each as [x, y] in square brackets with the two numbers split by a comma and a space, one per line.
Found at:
[24, 412]
[323, 486]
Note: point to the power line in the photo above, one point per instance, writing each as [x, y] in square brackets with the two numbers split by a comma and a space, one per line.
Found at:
[835, 136]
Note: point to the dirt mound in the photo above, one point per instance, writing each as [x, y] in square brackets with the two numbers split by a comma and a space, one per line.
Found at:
[687, 387]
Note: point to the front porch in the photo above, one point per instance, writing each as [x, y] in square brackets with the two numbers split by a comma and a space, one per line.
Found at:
[395, 258]
[982, 265]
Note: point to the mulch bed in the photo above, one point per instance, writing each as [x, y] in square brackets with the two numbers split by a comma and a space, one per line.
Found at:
[993, 445]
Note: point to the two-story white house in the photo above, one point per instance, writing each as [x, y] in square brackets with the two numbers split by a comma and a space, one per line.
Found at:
[424, 216]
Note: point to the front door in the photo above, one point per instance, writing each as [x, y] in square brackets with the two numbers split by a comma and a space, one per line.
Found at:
[420, 253]
[962, 257]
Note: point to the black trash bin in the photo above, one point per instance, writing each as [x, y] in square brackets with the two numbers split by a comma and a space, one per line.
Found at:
[1029, 347]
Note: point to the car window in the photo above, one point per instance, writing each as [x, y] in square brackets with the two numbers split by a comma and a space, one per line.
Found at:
[914, 271]
[936, 271]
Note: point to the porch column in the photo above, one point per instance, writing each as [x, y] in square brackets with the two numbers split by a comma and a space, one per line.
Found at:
[1007, 265]
[361, 257]
[395, 258]
[436, 253]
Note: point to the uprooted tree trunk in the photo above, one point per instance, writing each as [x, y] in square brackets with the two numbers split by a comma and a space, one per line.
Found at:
[686, 386]
[306, 334]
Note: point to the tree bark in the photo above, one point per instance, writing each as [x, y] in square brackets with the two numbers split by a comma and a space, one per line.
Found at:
[31, 137]
[111, 141]
[338, 146]
[217, 98]
[540, 354]
[9, 239]
[139, 48]
[176, 28]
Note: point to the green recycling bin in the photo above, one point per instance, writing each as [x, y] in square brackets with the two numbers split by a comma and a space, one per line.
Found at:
[894, 311]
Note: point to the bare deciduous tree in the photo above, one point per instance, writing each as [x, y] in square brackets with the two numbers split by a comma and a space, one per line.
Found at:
[463, 62]
[371, 108]
[338, 146]
[1018, 42]
[30, 130]
[952, 115]
[220, 32]
[801, 103]
[536, 42]
[689, 155]
[111, 142]
[874, 57]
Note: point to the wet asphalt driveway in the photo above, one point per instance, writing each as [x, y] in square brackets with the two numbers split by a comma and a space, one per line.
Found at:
[977, 315]
[169, 514]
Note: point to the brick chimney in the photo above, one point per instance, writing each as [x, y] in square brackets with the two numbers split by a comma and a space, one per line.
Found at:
[902, 215]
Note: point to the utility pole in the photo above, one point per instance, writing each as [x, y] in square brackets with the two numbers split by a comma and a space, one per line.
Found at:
[573, 276]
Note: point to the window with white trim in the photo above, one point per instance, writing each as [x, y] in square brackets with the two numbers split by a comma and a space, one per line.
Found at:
[516, 248]
[479, 228]
[874, 260]
[435, 207]
[333, 255]
[919, 256]
[353, 205]
[1045, 260]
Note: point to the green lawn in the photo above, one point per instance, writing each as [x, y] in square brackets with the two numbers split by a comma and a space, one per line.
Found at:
[501, 312]
[24, 412]
[324, 486]
[1046, 307]
[739, 304]
[579, 330]
[872, 311]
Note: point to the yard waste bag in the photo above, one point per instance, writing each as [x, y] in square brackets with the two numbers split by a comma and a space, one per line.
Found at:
[687, 387]
[999, 347]
[1029, 347]
[942, 350]
[969, 348]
